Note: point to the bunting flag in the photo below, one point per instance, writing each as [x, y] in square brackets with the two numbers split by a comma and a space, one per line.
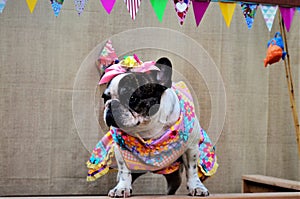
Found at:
[2, 5]
[56, 6]
[159, 7]
[287, 16]
[133, 7]
[31, 4]
[298, 8]
[199, 10]
[227, 10]
[249, 12]
[108, 5]
[79, 5]
[269, 13]
[181, 8]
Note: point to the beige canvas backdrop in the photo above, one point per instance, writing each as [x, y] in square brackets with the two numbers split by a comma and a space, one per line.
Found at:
[45, 143]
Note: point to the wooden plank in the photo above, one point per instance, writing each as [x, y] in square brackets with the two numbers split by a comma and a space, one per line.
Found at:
[271, 183]
[287, 195]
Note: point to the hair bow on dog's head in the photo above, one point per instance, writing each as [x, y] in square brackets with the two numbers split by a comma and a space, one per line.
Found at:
[109, 65]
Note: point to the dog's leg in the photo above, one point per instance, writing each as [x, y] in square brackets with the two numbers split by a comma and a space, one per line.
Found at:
[174, 180]
[123, 188]
[194, 184]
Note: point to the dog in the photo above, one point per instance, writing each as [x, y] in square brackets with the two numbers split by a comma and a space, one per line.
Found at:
[153, 127]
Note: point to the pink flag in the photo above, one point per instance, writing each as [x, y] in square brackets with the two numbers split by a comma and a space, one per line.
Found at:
[287, 16]
[199, 10]
[133, 7]
[108, 5]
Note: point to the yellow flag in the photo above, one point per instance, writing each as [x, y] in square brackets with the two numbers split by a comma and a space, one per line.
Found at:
[31, 4]
[227, 11]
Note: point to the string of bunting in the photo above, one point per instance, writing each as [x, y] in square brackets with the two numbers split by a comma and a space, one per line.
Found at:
[182, 7]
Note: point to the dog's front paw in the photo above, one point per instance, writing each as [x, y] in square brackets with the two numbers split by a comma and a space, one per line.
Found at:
[120, 192]
[196, 188]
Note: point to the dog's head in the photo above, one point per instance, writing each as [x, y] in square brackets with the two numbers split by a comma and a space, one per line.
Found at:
[132, 99]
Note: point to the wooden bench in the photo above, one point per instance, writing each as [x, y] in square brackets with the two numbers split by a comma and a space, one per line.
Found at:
[260, 183]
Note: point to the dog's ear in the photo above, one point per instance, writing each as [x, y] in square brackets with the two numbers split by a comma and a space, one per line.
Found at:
[164, 76]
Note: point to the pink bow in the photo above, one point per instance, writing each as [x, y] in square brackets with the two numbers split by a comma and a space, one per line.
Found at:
[111, 72]
[117, 69]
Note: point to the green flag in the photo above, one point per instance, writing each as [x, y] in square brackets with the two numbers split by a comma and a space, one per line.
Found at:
[159, 7]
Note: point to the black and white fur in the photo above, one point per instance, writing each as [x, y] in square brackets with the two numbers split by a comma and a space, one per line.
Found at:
[144, 103]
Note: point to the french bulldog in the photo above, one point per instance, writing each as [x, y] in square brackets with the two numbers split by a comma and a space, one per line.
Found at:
[144, 105]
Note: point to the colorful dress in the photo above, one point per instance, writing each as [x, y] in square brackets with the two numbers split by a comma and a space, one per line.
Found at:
[157, 155]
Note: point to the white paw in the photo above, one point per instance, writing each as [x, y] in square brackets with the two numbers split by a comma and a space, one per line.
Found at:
[196, 188]
[120, 192]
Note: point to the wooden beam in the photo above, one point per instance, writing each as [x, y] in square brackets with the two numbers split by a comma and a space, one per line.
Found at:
[261, 183]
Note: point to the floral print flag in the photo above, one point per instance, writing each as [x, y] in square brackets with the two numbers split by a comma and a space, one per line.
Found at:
[56, 6]
[249, 11]
[79, 5]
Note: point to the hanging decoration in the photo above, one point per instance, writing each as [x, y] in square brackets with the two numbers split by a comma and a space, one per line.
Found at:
[159, 7]
[249, 12]
[56, 6]
[287, 16]
[79, 5]
[269, 13]
[298, 8]
[227, 10]
[199, 10]
[2, 5]
[133, 7]
[181, 8]
[31, 4]
[275, 50]
[107, 57]
[108, 5]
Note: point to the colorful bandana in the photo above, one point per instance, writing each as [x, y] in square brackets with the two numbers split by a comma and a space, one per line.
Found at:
[157, 155]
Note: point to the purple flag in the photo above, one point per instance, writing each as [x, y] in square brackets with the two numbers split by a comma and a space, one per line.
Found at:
[199, 10]
[287, 16]
[108, 5]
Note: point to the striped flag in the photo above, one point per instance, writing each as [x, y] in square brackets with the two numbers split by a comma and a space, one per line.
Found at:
[132, 7]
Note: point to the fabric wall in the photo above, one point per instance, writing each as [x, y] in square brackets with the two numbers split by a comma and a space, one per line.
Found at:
[50, 103]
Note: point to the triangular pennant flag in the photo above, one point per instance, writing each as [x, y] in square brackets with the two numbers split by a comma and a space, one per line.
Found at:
[133, 7]
[159, 7]
[2, 5]
[199, 10]
[227, 10]
[287, 16]
[269, 13]
[298, 8]
[79, 5]
[107, 56]
[31, 4]
[108, 5]
[249, 12]
[56, 6]
[181, 8]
